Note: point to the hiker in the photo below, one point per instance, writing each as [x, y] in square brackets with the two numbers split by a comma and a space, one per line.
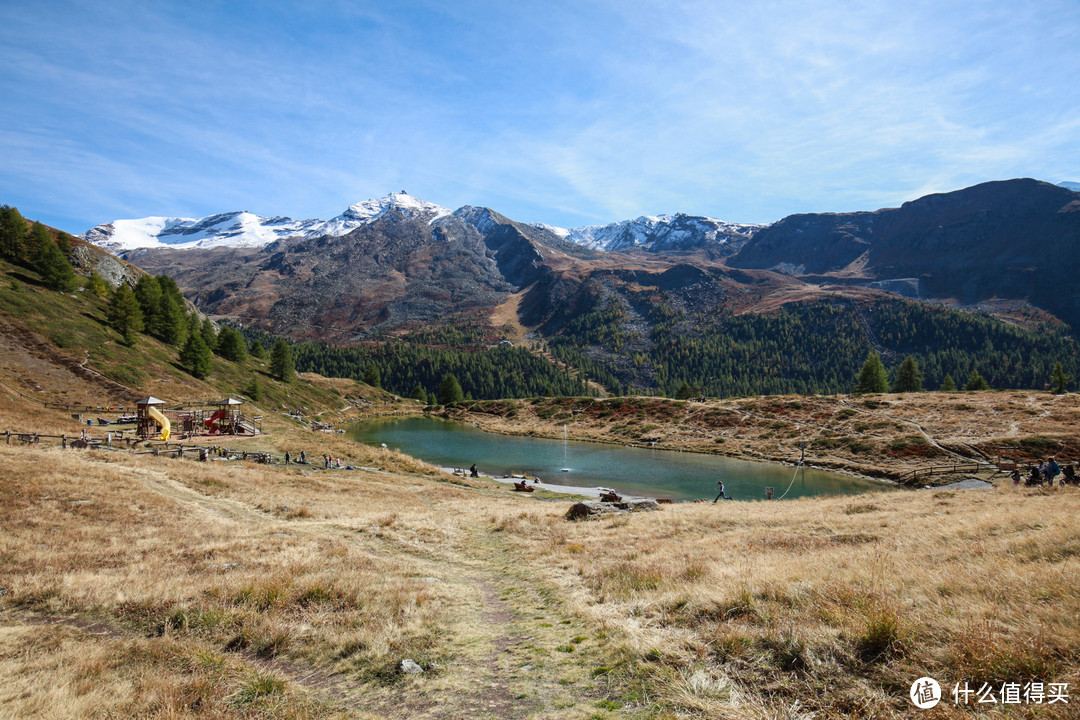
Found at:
[1052, 470]
[1034, 477]
[287, 457]
[326, 462]
[1068, 475]
[473, 472]
[721, 494]
[1016, 477]
[303, 457]
[768, 493]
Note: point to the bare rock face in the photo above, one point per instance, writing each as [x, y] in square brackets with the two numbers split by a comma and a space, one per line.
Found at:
[87, 258]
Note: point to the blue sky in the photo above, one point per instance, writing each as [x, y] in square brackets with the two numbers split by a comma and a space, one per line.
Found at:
[569, 113]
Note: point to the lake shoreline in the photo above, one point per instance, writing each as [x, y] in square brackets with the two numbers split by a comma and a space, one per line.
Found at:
[531, 433]
[594, 466]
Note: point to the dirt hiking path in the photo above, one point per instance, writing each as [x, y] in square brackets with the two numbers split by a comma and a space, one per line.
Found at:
[515, 651]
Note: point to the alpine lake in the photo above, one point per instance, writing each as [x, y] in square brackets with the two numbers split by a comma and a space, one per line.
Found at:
[680, 476]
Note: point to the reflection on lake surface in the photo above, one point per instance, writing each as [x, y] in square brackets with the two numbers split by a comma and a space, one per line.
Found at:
[636, 471]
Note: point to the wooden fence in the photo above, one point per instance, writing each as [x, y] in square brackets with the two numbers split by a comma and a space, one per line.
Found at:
[910, 478]
[114, 439]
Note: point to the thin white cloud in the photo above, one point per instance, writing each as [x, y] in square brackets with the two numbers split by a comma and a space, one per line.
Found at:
[565, 112]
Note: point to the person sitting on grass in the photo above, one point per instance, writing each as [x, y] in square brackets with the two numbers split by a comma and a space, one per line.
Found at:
[1034, 477]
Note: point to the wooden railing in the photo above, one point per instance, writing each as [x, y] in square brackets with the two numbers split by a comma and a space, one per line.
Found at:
[912, 477]
[116, 438]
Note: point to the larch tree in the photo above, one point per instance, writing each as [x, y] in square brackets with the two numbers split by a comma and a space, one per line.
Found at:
[908, 377]
[872, 377]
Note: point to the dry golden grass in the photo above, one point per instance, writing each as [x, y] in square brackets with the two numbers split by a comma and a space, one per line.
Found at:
[156, 587]
[834, 606]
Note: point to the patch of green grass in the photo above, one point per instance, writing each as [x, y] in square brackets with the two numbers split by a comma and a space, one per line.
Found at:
[258, 684]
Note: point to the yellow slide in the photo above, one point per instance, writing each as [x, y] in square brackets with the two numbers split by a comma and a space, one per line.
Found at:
[161, 420]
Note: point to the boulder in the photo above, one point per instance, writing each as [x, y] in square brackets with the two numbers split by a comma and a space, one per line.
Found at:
[592, 508]
[409, 667]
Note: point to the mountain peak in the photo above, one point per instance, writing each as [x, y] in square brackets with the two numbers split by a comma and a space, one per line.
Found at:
[369, 210]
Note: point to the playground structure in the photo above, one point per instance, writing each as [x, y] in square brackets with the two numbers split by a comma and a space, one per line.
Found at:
[225, 418]
[150, 420]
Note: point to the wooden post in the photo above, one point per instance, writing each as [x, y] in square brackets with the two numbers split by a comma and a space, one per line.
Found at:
[63, 441]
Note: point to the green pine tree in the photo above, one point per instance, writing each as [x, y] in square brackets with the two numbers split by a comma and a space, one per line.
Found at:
[908, 377]
[450, 390]
[195, 357]
[13, 233]
[63, 242]
[49, 261]
[948, 384]
[148, 293]
[419, 393]
[231, 345]
[97, 285]
[172, 320]
[1060, 379]
[123, 314]
[257, 350]
[685, 392]
[281, 362]
[209, 334]
[872, 377]
[372, 377]
[254, 390]
[976, 382]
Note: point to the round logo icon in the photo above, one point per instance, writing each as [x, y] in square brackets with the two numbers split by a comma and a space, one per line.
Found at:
[925, 693]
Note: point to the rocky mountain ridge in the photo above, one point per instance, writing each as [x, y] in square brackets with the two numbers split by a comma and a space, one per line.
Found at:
[406, 263]
[246, 230]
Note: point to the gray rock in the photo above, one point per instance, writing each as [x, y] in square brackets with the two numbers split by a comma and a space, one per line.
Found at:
[409, 667]
[592, 508]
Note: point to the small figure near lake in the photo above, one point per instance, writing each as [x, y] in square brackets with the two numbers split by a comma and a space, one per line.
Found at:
[768, 493]
[721, 493]
[1068, 475]
[473, 472]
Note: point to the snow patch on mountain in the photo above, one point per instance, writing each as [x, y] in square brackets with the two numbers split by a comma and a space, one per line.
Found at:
[1074, 186]
[657, 232]
[245, 229]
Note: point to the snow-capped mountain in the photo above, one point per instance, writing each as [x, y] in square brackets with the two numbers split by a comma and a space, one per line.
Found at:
[658, 233]
[244, 229]
[1074, 186]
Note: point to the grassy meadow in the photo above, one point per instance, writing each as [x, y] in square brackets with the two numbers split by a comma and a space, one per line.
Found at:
[142, 586]
[138, 586]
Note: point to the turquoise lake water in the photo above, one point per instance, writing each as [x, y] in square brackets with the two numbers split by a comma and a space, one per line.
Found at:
[635, 471]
